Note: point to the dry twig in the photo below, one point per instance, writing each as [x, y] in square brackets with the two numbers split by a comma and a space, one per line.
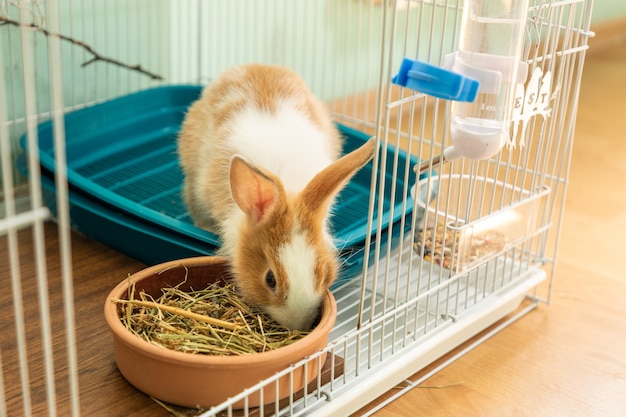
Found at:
[96, 56]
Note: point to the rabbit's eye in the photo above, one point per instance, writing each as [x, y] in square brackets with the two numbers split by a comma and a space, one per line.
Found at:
[270, 280]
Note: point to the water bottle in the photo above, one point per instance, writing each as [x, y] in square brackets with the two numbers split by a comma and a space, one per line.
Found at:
[490, 48]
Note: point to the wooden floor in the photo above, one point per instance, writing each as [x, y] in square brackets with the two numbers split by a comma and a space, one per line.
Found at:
[565, 359]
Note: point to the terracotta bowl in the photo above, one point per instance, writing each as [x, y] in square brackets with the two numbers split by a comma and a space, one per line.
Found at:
[197, 380]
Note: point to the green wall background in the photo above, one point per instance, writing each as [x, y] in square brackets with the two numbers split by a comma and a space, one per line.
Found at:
[607, 10]
[120, 28]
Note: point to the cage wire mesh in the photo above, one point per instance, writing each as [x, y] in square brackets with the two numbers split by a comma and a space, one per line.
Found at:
[481, 236]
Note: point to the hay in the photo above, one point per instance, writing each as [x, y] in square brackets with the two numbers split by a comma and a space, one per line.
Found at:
[212, 321]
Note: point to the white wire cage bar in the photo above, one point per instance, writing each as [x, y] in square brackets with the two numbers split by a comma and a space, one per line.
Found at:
[497, 220]
[31, 212]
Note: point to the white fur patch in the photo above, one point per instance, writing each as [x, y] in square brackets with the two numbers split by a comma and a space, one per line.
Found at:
[286, 144]
[230, 233]
[303, 302]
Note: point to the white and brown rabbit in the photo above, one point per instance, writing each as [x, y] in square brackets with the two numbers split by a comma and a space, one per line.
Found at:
[260, 158]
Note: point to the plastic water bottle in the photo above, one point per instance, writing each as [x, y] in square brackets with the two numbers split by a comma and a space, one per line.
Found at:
[490, 47]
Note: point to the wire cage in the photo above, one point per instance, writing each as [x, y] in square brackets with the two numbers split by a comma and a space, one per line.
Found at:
[472, 242]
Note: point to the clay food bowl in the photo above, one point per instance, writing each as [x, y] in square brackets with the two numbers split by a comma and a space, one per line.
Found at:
[199, 380]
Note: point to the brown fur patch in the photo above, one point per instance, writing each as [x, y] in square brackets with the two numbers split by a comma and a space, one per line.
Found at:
[260, 254]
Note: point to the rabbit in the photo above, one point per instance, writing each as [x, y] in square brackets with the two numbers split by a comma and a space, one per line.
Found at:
[261, 162]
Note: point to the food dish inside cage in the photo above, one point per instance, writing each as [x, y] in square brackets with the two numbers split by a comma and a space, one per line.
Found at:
[124, 175]
[470, 218]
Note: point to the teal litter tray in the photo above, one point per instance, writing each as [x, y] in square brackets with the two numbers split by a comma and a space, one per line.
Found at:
[125, 182]
[123, 232]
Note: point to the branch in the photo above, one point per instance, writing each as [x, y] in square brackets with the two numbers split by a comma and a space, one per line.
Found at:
[96, 56]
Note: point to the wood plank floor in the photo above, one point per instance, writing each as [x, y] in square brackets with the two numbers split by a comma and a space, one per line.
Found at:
[565, 359]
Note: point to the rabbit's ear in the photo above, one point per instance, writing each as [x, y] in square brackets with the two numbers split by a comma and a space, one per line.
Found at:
[255, 192]
[319, 192]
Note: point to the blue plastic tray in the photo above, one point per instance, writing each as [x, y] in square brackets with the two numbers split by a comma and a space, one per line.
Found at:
[123, 168]
[144, 242]
[152, 244]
